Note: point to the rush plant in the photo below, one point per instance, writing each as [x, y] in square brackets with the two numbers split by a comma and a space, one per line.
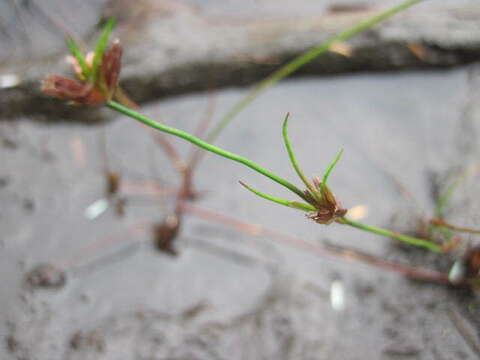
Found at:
[97, 77]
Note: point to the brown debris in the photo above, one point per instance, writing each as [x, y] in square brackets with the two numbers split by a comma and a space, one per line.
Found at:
[46, 276]
[165, 234]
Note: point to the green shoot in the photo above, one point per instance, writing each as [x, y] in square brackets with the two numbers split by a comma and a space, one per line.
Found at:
[292, 204]
[329, 170]
[102, 44]
[293, 160]
[77, 54]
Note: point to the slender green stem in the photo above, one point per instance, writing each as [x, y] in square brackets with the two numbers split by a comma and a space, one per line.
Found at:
[265, 196]
[301, 60]
[205, 145]
[406, 239]
[293, 159]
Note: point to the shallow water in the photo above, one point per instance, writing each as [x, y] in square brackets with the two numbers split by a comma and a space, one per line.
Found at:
[232, 295]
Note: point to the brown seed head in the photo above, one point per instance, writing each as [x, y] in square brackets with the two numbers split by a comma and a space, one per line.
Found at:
[76, 92]
[328, 208]
[96, 90]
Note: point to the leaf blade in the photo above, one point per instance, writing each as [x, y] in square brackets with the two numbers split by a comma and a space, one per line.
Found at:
[292, 204]
[329, 170]
[293, 159]
[77, 54]
[101, 46]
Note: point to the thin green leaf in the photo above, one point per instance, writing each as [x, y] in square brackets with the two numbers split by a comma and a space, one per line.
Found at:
[293, 159]
[329, 170]
[102, 44]
[291, 204]
[301, 206]
[77, 54]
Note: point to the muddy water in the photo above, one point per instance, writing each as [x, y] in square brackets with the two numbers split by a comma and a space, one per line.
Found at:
[229, 294]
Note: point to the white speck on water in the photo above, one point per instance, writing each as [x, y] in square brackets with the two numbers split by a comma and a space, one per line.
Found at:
[337, 295]
[457, 272]
[9, 80]
[96, 209]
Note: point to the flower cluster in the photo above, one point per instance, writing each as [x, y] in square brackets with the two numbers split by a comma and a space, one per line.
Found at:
[328, 209]
[97, 74]
[319, 202]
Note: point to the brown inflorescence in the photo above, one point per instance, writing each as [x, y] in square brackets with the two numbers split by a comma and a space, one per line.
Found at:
[328, 208]
[74, 91]
[88, 91]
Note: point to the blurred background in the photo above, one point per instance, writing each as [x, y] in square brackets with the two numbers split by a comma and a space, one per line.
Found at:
[111, 247]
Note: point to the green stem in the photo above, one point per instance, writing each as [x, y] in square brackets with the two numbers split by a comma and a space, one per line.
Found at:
[301, 60]
[294, 162]
[205, 145]
[265, 196]
[406, 239]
